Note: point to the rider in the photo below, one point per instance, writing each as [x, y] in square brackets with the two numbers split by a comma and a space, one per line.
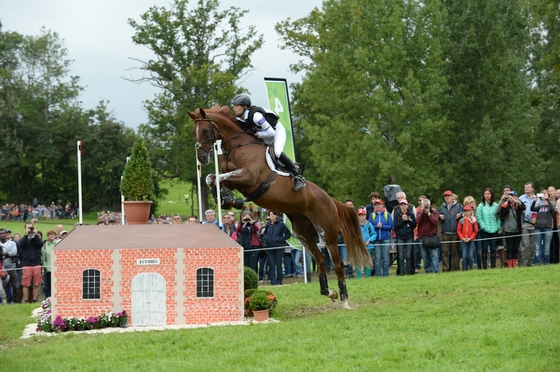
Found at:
[253, 119]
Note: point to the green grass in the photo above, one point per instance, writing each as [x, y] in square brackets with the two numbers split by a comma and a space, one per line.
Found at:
[500, 319]
[174, 201]
[46, 225]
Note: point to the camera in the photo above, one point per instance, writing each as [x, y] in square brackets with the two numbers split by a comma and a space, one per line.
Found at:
[246, 220]
[540, 195]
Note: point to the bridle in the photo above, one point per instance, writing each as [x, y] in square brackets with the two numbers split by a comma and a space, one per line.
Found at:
[212, 139]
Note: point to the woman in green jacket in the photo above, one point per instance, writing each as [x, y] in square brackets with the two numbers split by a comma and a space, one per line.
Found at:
[489, 224]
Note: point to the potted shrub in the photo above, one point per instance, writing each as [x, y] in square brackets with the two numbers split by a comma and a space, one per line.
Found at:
[261, 303]
[137, 185]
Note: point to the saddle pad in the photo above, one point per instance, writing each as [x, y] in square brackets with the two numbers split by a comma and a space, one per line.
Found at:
[272, 165]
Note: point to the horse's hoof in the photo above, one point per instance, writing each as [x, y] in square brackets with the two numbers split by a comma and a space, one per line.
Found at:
[345, 305]
[333, 295]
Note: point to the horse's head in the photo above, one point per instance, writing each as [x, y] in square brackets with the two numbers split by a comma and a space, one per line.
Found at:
[210, 125]
[206, 134]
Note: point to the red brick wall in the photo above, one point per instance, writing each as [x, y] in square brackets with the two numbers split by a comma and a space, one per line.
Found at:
[225, 306]
[69, 270]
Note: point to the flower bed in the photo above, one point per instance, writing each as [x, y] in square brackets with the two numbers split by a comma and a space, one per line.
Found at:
[60, 324]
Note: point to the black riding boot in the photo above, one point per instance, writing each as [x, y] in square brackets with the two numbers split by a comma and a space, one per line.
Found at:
[484, 260]
[298, 180]
[493, 260]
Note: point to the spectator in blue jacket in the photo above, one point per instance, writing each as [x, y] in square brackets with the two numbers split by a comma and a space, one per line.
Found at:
[369, 236]
[383, 224]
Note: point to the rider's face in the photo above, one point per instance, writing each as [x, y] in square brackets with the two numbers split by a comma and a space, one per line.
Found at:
[238, 110]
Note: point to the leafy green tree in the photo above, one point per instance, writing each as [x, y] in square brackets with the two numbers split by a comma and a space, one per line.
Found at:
[370, 88]
[40, 123]
[545, 72]
[493, 130]
[40, 98]
[199, 55]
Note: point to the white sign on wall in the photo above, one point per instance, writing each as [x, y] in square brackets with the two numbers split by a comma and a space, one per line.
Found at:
[147, 261]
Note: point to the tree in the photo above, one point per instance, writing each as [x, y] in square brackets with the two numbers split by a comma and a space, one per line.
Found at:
[39, 100]
[370, 88]
[493, 122]
[40, 123]
[545, 74]
[199, 55]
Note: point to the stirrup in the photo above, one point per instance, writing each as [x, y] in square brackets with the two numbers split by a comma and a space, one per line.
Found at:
[298, 182]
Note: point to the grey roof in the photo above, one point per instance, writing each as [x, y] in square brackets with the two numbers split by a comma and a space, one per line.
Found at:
[146, 236]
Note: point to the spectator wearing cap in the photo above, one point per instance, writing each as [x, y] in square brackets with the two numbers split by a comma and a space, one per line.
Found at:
[467, 228]
[46, 259]
[450, 212]
[369, 236]
[511, 213]
[469, 200]
[404, 222]
[383, 224]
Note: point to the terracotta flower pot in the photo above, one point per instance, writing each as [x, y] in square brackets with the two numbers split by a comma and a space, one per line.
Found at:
[260, 315]
[137, 212]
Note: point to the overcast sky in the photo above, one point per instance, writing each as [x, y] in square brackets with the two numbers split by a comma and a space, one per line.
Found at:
[99, 41]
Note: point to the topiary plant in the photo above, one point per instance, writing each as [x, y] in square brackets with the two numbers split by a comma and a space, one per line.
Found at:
[137, 183]
[250, 279]
[259, 301]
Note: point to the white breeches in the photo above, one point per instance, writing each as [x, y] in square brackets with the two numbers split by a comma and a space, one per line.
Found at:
[279, 139]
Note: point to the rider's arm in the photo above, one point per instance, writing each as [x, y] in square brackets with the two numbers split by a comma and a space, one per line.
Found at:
[266, 130]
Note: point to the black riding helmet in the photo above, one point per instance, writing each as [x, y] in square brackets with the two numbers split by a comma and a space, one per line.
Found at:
[242, 100]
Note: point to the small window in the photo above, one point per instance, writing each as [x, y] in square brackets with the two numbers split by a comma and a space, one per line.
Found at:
[205, 282]
[91, 284]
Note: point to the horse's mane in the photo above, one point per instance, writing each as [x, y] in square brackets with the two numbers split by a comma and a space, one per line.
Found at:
[222, 110]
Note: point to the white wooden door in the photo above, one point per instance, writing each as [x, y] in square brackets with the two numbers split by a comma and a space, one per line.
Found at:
[148, 300]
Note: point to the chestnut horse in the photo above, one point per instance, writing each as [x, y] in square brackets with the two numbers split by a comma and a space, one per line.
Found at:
[311, 210]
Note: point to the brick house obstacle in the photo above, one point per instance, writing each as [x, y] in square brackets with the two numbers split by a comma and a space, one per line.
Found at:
[159, 274]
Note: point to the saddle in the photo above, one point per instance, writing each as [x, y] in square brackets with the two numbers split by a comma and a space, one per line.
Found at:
[275, 164]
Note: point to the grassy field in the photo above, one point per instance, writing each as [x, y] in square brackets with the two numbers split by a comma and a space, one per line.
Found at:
[503, 320]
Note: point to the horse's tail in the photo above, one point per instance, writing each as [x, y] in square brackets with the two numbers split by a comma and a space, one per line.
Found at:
[350, 227]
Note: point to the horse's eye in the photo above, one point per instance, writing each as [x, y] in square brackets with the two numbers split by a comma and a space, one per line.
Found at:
[205, 132]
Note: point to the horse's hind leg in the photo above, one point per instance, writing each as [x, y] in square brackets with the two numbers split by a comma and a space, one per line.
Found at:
[331, 237]
[306, 233]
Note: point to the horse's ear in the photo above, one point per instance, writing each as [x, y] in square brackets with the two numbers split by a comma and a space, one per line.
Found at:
[201, 113]
[192, 115]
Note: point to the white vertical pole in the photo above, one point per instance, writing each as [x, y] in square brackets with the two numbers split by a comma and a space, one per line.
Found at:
[304, 264]
[122, 199]
[198, 186]
[79, 154]
[218, 151]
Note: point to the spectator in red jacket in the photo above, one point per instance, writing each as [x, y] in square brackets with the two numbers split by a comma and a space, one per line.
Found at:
[467, 228]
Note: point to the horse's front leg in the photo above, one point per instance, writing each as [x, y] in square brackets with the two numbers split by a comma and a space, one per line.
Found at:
[211, 178]
[226, 196]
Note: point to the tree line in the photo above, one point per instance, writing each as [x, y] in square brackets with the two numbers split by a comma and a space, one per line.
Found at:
[431, 95]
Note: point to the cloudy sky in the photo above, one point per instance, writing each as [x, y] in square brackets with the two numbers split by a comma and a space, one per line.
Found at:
[99, 41]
